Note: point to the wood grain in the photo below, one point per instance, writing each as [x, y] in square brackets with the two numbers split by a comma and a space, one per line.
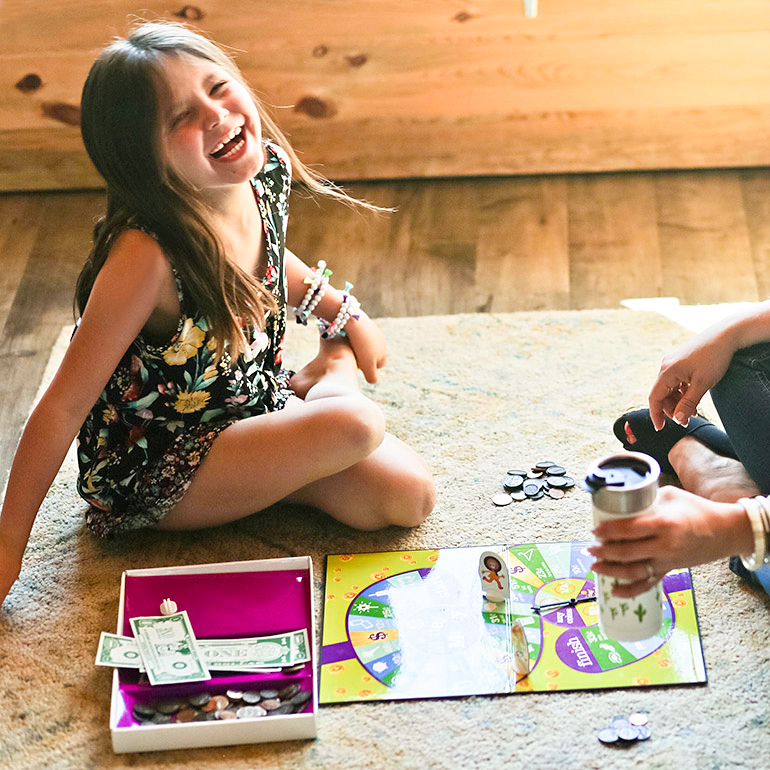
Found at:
[370, 90]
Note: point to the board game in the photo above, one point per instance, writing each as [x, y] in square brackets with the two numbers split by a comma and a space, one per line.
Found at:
[416, 624]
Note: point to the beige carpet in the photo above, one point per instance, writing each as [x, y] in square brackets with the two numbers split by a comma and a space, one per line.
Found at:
[475, 394]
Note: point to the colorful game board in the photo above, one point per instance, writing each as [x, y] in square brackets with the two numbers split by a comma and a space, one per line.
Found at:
[415, 624]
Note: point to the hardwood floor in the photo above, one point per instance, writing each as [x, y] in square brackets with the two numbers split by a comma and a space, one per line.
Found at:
[454, 245]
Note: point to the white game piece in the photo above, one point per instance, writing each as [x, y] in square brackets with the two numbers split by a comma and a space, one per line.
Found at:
[520, 648]
[168, 607]
[494, 577]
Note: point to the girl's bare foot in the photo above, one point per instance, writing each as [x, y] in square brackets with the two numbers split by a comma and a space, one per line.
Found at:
[708, 474]
[332, 372]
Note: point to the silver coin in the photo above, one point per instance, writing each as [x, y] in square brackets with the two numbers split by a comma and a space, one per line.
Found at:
[169, 706]
[556, 470]
[144, 710]
[531, 488]
[543, 465]
[269, 693]
[639, 718]
[303, 696]
[251, 697]
[535, 475]
[199, 700]
[644, 732]
[502, 498]
[570, 482]
[518, 496]
[289, 691]
[162, 719]
[516, 473]
[511, 483]
[617, 722]
[629, 733]
[607, 735]
[234, 695]
[556, 481]
[284, 708]
[250, 712]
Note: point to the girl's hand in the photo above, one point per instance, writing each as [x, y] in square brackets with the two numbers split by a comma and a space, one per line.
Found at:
[687, 373]
[680, 530]
[368, 344]
[10, 567]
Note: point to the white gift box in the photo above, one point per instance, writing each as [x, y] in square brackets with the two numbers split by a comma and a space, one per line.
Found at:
[226, 600]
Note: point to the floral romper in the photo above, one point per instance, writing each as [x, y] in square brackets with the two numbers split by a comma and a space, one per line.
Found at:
[165, 404]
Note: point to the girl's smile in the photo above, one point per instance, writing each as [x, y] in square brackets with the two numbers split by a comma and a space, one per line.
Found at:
[212, 131]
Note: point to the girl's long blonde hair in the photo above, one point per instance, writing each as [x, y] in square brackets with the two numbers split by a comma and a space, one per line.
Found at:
[121, 132]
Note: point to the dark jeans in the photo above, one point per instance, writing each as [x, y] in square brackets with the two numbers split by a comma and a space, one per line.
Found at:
[742, 398]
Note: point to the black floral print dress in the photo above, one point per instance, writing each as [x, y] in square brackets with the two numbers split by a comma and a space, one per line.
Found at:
[164, 405]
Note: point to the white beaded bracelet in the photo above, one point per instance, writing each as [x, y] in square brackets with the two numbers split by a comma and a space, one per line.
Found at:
[758, 515]
[315, 292]
[348, 309]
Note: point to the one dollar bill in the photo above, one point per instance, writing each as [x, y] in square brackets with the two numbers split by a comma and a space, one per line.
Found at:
[169, 649]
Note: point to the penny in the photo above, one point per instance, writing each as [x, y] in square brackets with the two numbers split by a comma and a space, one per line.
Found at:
[556, 494]
[501, 498]
[270, 704]
[186, 715]
[221, 702]
[289, 691]
[534, 475]
[210, 706]
[201, 699]
[251, 697]
[226, 714]
[607, 735]
[639, 718]
[250, 712]
[169, 706]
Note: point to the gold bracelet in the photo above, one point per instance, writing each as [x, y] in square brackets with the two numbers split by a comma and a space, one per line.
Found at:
[754, 510]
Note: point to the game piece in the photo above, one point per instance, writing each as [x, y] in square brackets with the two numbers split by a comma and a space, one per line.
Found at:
[494, 577]
[520, 648]
[168, 607]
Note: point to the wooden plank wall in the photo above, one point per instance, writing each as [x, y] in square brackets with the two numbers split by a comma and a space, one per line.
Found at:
[416, 88]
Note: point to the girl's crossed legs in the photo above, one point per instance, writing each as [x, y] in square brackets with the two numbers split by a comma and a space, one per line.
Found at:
[329, 451]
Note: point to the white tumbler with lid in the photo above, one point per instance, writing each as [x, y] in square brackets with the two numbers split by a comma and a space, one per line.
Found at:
[624, 485]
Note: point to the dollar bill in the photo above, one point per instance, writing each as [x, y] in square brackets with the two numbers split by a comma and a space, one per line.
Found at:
[256, 652]
[169, 649]
[118, 651]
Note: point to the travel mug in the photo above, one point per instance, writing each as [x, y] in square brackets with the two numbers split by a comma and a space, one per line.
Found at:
[624, 485]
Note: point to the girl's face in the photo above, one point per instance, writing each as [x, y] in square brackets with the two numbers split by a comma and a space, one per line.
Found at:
[211, 131]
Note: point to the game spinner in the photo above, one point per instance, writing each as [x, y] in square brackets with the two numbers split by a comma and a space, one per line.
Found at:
[416, 624]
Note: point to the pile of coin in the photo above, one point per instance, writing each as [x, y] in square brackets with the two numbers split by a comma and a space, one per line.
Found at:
[233, 704]
[545, 478]
[625, 731]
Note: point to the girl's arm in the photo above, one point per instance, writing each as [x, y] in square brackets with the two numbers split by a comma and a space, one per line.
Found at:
[124, 295]
[687, 373]
[364, 335]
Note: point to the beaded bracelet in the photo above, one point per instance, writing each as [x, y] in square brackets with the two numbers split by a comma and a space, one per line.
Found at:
[348, 309]
[317, 288]
[757, 510]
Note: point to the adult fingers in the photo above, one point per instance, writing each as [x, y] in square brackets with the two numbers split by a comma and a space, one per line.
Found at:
[688, 403]
[634, 572]
[625, 551]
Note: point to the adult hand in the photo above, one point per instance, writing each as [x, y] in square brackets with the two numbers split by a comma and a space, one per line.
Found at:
[687, 373]
[679, 530]
[368, 344]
